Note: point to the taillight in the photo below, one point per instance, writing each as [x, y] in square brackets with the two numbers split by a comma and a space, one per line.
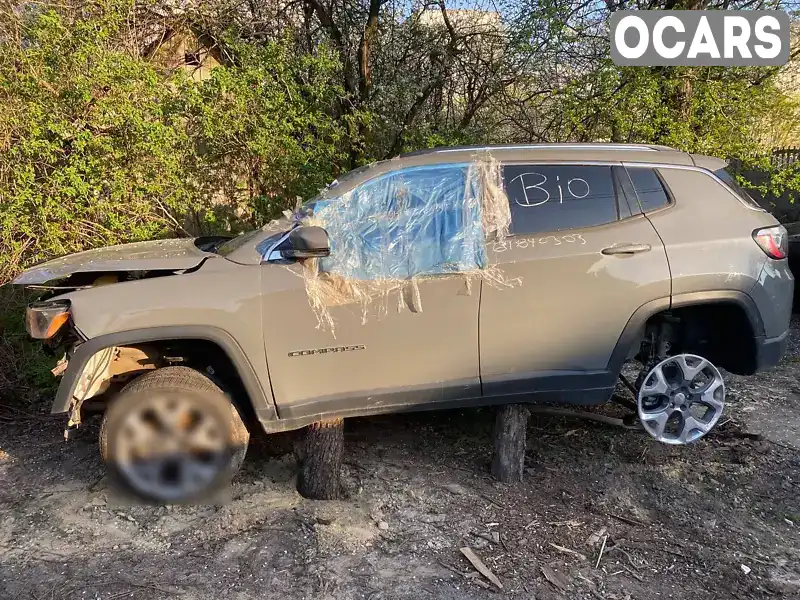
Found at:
[44, 319]
[773, 241]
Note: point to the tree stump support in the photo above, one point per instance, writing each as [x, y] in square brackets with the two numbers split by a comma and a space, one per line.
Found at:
[320, 461]
[510, 428]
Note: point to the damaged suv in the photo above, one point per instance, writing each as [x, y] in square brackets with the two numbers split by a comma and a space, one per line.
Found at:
[442, 278]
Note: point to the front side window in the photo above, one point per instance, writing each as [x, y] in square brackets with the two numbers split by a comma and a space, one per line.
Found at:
[412, 222]
[548, 198]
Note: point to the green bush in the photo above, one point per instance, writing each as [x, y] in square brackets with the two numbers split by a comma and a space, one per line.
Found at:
[24, 365]
[265, 121]
[99, 146]
[92, 146]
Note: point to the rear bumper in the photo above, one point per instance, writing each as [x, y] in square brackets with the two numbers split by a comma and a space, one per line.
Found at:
[770, 350]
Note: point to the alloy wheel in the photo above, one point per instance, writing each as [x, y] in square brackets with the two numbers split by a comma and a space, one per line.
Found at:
[171, 447]
[681, 399]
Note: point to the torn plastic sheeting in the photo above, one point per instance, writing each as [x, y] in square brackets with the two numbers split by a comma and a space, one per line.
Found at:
[413, 223]
[410, 223]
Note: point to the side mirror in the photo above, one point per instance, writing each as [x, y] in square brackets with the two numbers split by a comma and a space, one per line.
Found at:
[306, 242]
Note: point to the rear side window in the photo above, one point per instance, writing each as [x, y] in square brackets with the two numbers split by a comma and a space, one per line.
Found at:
[556, 197]
[649, 189]
[730, 180]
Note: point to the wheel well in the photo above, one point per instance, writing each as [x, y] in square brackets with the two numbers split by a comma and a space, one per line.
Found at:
[719, 331]
[202, 355]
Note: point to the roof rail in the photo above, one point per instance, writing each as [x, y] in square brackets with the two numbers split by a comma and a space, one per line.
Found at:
[545, 146]
[663, 148]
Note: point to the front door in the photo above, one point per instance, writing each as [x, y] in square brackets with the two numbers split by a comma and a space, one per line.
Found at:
[587, 259]
[414, 346]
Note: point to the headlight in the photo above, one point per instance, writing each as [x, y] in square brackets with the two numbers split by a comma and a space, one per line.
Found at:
[44, 319]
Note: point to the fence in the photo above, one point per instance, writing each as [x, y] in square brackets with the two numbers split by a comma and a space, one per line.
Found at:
[784, 207]
[783, 157]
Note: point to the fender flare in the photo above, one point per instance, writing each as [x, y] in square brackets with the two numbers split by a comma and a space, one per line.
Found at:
[637, 321]
[261, 400]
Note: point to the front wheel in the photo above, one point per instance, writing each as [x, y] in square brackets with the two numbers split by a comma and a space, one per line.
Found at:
[172, 436]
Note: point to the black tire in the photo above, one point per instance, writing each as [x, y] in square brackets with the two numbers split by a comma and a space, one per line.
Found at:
[204, 396]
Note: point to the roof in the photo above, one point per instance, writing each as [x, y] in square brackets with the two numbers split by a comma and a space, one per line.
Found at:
[521, 153]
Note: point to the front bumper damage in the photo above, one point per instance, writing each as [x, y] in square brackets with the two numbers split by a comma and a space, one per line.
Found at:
[107, 367]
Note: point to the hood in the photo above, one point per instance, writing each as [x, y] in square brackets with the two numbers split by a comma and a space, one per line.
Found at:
[156, 255]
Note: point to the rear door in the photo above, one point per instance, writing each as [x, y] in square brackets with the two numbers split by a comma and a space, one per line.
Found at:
[587, 259]
[707, 230]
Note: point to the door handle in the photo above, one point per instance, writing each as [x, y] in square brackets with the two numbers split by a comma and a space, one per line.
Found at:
[627, 249]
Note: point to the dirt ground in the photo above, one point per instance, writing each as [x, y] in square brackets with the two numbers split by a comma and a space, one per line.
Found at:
[603, 513]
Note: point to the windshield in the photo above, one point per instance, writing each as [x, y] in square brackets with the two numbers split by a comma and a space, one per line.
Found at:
[237, 242]
[326, 193]
[730, 179]
[348, 176]
[306, 209]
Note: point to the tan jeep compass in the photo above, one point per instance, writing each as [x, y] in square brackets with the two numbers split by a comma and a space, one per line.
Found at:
[442, 278]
